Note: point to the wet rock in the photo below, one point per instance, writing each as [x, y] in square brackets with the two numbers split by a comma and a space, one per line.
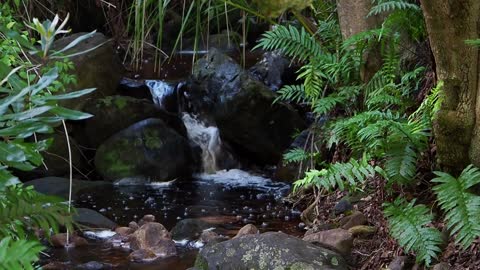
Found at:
[271, 70]
[142, 255]
[124, 231]
[190, 229]
[146, 219]
[319, 227]
[209, 237]
[165, 248]
[338, 239]
[133, 225]
[362, 230]
[401, 263]
[149, 236]
[100, 68]
[116, 113]
[92, 218]
[242, 108]
[342, 207]
[147, 149]
[441, 266]
[246, 230]
[60, 241]
[93, 265]
[355, 219]
[57, 186]
[267, 251]
[134, 88]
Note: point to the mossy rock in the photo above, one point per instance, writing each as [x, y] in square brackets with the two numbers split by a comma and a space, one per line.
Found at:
[243, 109]
[112, 114]
[271, 250]
[148, 149]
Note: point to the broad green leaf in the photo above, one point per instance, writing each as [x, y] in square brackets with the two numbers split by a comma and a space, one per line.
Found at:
[75, 42]
[70, 114]
[9, 152]
[64, 96]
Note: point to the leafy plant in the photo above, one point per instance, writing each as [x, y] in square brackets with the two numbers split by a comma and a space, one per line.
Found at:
[461, 207]
[408, 224]
[20, 254]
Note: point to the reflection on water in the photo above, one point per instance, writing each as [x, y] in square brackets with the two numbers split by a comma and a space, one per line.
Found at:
[227, 199]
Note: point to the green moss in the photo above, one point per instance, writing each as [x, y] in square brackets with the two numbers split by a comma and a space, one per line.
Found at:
[201, 263]
[152, 139]
[120, 102]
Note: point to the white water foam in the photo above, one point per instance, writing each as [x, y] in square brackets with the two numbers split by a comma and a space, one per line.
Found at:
[99, 234]
[240, 178]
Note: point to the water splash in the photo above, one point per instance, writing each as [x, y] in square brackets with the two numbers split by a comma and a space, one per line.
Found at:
[208, 138]
[160, 90]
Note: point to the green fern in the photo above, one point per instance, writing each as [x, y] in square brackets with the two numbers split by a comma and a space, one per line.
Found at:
[461, 207]
[293, 93]
[408, 224]
[295, 155]
[339, 175]
[292, 42]
[19, 254]
[389, 6]
[22, 209]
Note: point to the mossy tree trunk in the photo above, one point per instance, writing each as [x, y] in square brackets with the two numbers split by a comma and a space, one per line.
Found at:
[353, 20]
[457, 127]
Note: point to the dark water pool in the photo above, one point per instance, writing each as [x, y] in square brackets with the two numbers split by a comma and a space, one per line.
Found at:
[228, 200]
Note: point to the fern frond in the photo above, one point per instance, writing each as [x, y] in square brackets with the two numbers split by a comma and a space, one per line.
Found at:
[408, 225]
[462, 208]
[293, 93]
[19, 254]
[390, 6]
[339, 175]
[295, 155]
[23, 209]
[292, 42]
[401, 163]
[324, 105]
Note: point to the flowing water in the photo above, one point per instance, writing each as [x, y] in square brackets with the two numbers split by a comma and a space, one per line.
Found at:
[226, 199]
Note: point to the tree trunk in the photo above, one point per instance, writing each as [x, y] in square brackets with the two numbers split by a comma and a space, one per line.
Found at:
[457, 126]
[353, 20]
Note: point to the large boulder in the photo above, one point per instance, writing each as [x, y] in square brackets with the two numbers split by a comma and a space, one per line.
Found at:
[115, 113]
[147, 149]
[100, 68]
[151, 241]
[243, 108]
[271, 250]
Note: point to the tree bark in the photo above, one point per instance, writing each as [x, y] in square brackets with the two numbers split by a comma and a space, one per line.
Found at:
[353, 20]
[457, 126]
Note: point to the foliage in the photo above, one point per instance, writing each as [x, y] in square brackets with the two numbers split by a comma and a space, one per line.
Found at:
[19, 254]
[339, 175]
[28, 106]
[461, 207]
[408, 224]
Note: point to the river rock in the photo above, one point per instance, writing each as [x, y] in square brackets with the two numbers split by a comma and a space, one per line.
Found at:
[246, 230]
[149, 236]
[57, 186]
[116, 113]
[342, 207]
[147, 149]
[209, 237]
[271, 70]
[146, 219]
[355, 219]
[401, 263]
[124, 231]
[100, 68]
[338, 239]
[190, 229]
[272, 250]
[92, 218]
[242, 108]
[60, 240]
[441, 266]
[151, 241]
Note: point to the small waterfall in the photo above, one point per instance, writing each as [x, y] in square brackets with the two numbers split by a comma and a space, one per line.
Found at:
[203, 135]
[208, 138]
